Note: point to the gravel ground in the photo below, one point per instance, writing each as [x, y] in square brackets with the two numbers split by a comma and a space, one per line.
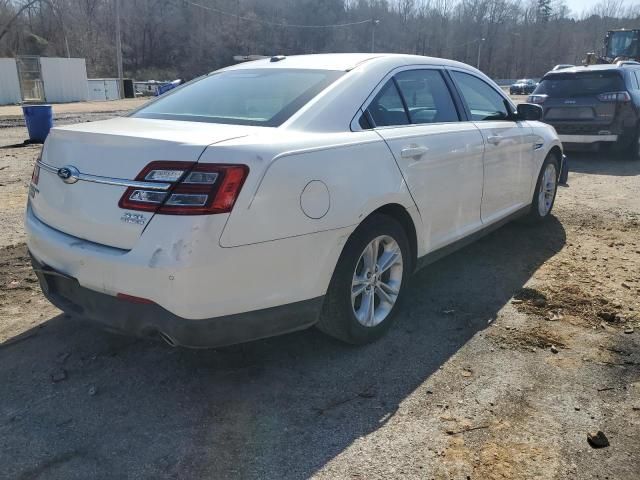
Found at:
[466, 385]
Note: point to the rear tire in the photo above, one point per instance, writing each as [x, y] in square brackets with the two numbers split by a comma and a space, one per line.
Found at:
[364, 294]
[632, 150]
[544, 195]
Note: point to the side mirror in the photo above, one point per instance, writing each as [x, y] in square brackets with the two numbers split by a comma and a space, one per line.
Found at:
[529, 111]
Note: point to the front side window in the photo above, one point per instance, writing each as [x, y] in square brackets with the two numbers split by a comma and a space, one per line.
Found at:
[427, 97]
[483, 101]
[387, 108]
[263, 97]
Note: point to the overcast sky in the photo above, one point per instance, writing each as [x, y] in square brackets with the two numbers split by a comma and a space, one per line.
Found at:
[577, 6]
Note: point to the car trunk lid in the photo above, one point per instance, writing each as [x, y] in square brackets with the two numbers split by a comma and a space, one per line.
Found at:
[116, 151]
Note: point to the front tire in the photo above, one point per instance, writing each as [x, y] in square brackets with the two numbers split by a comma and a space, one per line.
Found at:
[368, 283]
[544, 195]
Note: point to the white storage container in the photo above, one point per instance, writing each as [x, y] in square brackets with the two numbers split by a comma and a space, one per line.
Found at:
[9, 83]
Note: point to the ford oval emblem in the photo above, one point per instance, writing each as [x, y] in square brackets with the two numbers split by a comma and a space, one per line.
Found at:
[69, 174]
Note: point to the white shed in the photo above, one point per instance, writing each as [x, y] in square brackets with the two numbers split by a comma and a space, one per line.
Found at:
[104, 89]
[9, 83]
[64, 79]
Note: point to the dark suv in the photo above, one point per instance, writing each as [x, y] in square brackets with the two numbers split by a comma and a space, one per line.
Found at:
[593, 106]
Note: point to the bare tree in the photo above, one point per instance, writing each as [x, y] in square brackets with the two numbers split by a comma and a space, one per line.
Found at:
[21, 9]
[185, 38]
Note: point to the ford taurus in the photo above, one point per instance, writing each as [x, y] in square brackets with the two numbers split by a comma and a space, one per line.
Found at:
[278, 194]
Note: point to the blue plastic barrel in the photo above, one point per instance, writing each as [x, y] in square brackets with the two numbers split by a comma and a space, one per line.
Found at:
[168, 86]
[39, 119]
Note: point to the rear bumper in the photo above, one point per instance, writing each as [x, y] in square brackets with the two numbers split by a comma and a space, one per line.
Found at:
[151, 320]
[587, 138]
[178, 264]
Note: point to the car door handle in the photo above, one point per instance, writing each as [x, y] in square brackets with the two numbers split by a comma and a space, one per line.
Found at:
[413, 151]
[495, 139]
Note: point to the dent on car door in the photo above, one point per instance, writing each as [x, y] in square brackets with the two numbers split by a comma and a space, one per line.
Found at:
[508, 156]
[440, 157]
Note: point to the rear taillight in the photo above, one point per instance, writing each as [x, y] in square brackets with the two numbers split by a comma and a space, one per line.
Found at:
[196, 189]
[615, 97]
[35, 176]
[537, 99]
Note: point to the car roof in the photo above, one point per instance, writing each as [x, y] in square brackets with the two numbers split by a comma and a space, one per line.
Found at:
[591, 68]
[342, 61]
[350, 91]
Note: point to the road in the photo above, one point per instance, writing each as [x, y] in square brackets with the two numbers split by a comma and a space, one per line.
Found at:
[466, 385]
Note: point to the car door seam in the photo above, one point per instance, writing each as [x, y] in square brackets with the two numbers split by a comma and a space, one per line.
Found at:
[395, 160]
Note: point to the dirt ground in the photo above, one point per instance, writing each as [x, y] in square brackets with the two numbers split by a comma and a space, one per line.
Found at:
[465, 386]
[61, 109]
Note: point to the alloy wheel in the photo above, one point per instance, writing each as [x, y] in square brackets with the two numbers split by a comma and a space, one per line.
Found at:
[547, 192]
[376, 281]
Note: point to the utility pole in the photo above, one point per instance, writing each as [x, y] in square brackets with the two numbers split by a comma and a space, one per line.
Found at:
[373, 34]
[480, 42]
[66, 46]
[58, 15]
[119, 51]
[237, 33]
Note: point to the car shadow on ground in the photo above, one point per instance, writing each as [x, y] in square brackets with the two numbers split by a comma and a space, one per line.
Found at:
[276, 408]
[601, 163]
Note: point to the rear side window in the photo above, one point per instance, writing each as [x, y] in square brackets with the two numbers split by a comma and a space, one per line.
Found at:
[582, 84]
[387, 108]
[426, 96]
[263, 97]
[483, 101]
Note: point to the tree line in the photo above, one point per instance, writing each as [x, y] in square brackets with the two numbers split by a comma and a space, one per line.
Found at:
[165, 39]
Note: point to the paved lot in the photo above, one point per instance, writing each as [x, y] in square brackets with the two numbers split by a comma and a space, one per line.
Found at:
[465, 386]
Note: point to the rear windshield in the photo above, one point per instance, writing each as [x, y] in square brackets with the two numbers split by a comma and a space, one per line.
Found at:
[569, 85]
[265, 97]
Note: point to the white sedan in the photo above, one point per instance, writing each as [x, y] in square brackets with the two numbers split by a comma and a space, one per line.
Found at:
[278, 194]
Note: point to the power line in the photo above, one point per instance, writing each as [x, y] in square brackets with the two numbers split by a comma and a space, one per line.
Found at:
[119, 52]
[274, 24]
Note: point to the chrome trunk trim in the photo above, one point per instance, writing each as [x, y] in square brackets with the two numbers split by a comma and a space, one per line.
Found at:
[119, 182]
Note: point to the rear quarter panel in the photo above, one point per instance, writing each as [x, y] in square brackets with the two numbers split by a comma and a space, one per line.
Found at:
[357, 169]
